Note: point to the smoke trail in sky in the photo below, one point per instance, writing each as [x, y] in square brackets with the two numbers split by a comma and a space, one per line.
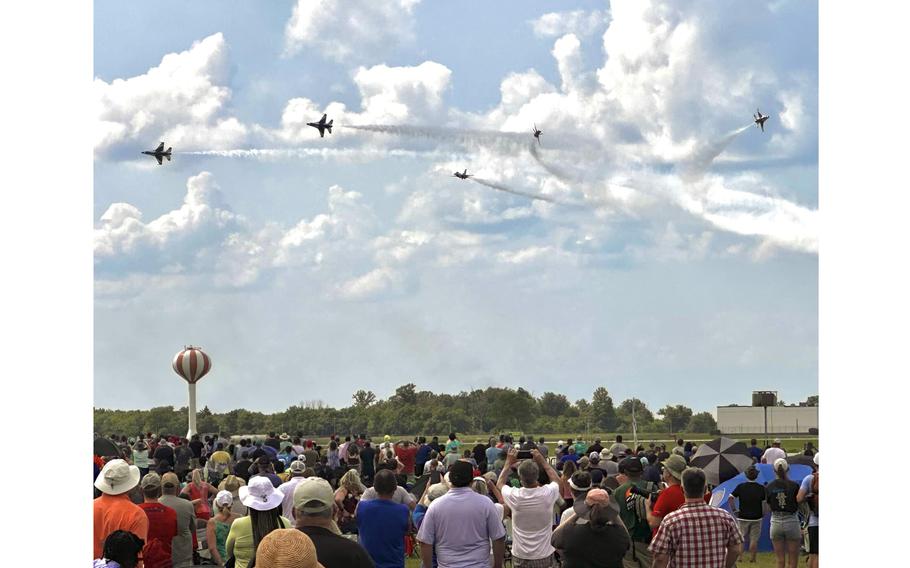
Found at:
[501, 187]
[325, 153]
[551, 169]
[505, 142]
[702, 157]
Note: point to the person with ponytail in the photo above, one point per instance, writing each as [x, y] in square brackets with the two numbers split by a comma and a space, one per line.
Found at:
[264, 503]
[786, 534]
[218, 527]
[601, 542]
[121, 550]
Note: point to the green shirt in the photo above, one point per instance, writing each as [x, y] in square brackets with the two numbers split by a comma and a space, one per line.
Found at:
[635, 517]
[581, 448]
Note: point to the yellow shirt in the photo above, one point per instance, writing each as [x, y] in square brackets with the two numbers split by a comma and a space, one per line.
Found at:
[242, 537]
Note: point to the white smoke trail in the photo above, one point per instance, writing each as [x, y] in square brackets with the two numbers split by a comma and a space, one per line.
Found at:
[701, 159]
[551, 169]
[503, 142]
[507, 189]
[324, 153]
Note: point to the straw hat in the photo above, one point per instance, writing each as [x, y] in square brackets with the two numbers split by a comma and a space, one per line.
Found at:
[287, 548]
[117, 477]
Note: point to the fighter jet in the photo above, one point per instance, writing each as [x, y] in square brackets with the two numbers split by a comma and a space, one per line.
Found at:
[160, 152]
[464, 175]
[537, 133]
[760, 119]
[322, 126]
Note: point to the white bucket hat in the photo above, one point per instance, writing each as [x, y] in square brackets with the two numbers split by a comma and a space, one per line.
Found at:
[117, 477]
[260, 494]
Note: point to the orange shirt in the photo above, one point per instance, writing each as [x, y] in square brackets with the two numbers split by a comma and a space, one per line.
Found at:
[117, 512]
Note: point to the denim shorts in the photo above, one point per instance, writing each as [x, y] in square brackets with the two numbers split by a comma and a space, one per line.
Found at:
[785, 526]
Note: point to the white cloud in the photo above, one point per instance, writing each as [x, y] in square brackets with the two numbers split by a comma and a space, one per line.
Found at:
[579, 22]
[181, 101]
[353, 29]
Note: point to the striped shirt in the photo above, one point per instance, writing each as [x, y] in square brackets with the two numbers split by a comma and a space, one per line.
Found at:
[696, 536]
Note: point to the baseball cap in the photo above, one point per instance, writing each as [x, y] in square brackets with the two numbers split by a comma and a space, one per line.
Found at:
[631, 465]
[781, 463]
[224, 498]
[594, 457]
[776, 441]
[170, 479]
[437, 490]
[313, 495]
[151, 479]
[461, 473]
[297, 466]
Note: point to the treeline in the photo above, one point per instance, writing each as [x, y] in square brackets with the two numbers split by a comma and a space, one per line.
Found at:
[410, 411]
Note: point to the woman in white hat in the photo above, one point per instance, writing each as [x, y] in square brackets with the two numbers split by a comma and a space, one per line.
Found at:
[264, 503]
[218, 527]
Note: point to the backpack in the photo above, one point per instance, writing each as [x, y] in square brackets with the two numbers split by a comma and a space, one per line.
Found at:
[637, 520]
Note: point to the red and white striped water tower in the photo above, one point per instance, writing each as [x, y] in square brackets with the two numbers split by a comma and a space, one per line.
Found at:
[192, 364]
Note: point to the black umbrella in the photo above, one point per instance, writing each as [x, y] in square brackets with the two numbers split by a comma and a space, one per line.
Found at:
[722, 459]
[106, 448]
[801, 459]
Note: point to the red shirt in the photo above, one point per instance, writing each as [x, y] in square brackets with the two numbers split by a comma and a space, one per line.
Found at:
[669, 500]
[696, 536]
[407, 456]
[162, 529]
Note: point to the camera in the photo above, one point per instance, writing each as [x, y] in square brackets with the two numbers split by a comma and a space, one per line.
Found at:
[524, 454]
[652, 495]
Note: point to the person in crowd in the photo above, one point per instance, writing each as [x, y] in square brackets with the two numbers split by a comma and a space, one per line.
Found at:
[239, 449]
[310, 454]
[542, 447]
[286, 548]
[343, 450]
[113, 510]
[608, 463]
[809, 450]
[633, 510]
[786, 534]
[752, 499]
[140, 456]
[595, 447]
[232, 483]
[569, 455]
[755, 451]
[460, 525]
[182, 544]
[774, 453]
[672, 497]
[119, 550]
[697, 534]
[383, 523]
[434, 464]
[618, 447]
[406, 452]
[599, 540]
[217, 464]
[164, 457]
[581, 448]
[333, 462]
[808, 493]
[453, 442]
[479, 453]
[182, 457]
[265, 468]
[652, 471]
[568, 470]
[296, 470]
[486, 485]
[367, 462]
[352, 456]
[286, 455]
[491, 453]
[531, 507]
[430, 493]
[162, 524]
[347, 496]
[272, 441]
[219, 526]
[297, 446]
[314, 511]
[679, 448]
[594, 469]
[195, 446]
[199, 491]
[242, 467]
[579, 484]
[264, 503]
[400, 495]
[422, 456]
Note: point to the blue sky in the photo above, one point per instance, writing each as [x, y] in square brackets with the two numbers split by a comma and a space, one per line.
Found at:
[679, 263]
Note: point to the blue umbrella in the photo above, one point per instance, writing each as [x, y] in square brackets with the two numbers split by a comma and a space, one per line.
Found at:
[765, 476]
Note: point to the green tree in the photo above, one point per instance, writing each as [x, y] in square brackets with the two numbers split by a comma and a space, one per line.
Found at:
[677, 416]
[644, 418]
[812, 400]
[552, 404]
[363, 398]
[405, 394]
[703, 422]
[603, 414]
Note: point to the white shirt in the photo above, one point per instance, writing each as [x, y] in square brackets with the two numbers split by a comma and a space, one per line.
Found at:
[532, 519]
[772, 454]
[288, 487]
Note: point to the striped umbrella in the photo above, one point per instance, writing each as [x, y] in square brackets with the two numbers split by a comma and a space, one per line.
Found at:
[722, 459]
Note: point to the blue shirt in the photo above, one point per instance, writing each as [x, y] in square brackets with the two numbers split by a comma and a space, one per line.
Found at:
[756, 452]
[569, 457]
[422, 452]
[492, 455]
[460, 526]
[382, 526]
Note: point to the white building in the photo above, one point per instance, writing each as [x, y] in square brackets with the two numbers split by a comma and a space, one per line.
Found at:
[781, 419]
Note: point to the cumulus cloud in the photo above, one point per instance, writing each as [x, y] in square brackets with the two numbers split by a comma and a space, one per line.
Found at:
[353, 29]
[578, 22]
[182, 100]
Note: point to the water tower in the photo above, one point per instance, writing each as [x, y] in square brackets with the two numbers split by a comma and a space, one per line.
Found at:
[192, 364]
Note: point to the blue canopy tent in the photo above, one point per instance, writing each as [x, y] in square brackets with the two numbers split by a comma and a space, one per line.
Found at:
[765, 475]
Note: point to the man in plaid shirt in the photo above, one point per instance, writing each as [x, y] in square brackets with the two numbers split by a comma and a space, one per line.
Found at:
[696, 535]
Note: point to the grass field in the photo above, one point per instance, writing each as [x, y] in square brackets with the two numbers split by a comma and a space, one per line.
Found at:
[764, 560]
